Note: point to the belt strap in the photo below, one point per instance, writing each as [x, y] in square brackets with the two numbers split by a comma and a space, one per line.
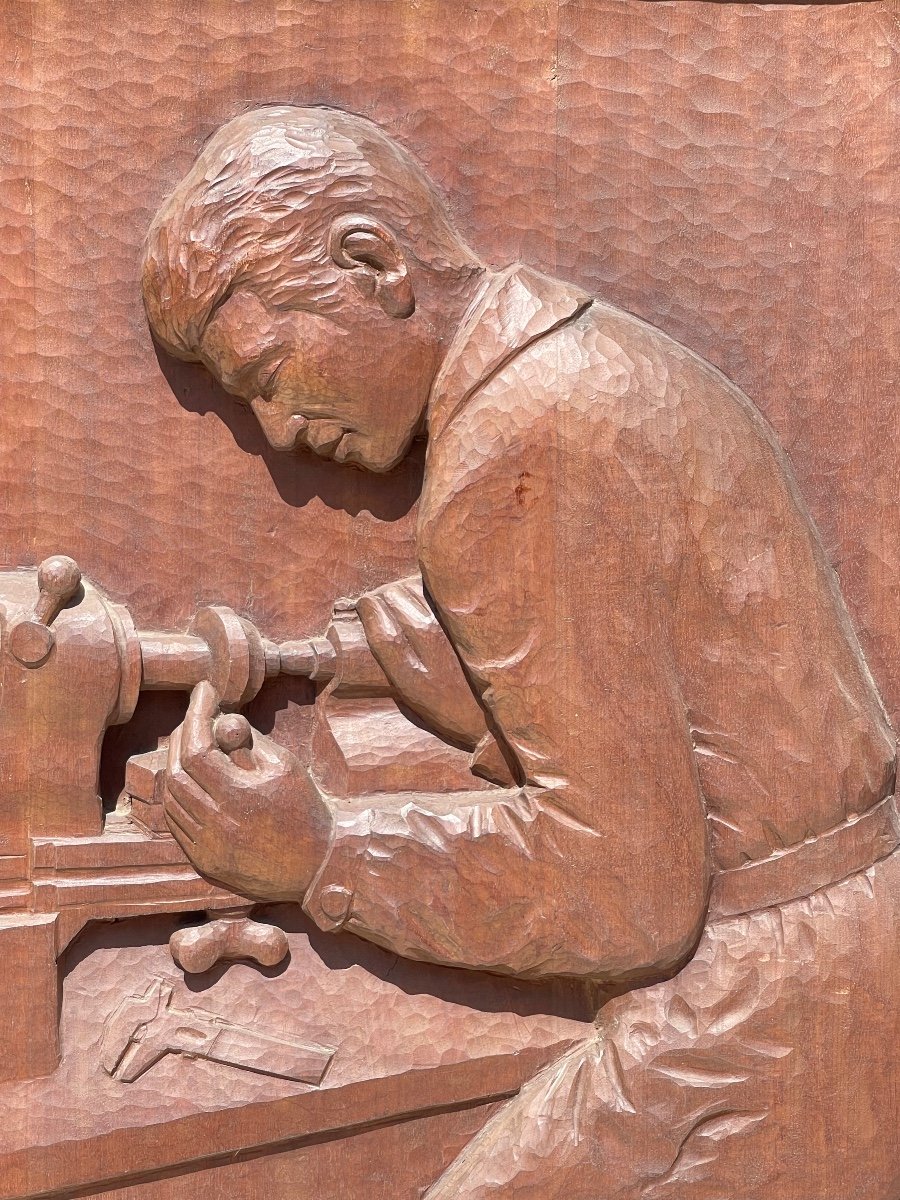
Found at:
[798, 871]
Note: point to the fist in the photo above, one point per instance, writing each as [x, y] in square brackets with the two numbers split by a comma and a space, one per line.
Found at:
[254, 824]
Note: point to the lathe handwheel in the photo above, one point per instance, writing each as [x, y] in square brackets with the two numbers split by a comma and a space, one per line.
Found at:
[237, 656]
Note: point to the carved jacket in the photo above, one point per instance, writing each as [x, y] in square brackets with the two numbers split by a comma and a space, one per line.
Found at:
[613, 542]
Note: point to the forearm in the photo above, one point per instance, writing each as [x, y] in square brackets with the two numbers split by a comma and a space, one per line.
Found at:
[499, 881]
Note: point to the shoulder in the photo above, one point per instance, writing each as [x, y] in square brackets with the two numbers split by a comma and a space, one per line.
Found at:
[563, 428]
[604, 383]
[613, 385]
[607, 354]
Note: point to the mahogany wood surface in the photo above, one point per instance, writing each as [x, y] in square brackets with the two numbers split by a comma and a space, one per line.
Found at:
[446, 728]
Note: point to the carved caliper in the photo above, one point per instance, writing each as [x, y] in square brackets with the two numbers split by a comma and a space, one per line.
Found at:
[143, 1029]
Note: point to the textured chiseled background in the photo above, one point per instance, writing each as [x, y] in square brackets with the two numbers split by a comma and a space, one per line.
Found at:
[728, 171]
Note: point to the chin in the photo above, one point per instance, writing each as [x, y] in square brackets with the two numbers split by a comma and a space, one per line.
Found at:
[359, 452]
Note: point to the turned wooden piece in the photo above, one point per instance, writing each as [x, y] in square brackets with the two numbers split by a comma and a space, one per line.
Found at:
[229, 935]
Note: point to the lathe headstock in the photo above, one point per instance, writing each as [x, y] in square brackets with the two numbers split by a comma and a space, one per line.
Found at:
[72, 664]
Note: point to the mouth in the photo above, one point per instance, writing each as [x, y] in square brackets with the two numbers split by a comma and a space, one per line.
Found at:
[285, 435]
[324, 437]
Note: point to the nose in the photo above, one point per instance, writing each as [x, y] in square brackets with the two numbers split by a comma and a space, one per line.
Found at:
[281, 431]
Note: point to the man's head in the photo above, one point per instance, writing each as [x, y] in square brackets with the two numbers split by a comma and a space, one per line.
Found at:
[308, 262]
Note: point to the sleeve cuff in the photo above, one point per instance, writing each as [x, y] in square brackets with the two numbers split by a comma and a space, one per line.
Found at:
[329, 898]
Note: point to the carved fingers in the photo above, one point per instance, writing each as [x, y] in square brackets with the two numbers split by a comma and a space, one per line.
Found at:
[190, 810]
[200, 779]
[200, 755]
[242, 808]
[222, 754]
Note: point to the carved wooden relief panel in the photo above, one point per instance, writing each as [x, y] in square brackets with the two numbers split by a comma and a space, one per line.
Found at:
[449, 603]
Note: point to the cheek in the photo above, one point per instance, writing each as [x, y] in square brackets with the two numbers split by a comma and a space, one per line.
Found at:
[315, 367]
[303, 377]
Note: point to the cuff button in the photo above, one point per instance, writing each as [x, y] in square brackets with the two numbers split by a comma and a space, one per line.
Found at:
[334, 902]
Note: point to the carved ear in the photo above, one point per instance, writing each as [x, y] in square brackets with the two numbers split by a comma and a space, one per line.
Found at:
[370, 251]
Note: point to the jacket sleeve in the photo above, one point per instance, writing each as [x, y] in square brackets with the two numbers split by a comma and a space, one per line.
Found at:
[425, 672]
[544, 563]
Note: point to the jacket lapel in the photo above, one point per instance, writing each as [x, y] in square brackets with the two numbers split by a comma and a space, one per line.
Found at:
[518, 306]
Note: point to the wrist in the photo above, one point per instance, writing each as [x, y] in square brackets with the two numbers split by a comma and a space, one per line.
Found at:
[331, 895]
[317, 843]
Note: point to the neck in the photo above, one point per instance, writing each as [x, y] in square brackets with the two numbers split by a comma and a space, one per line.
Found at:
[460, 295]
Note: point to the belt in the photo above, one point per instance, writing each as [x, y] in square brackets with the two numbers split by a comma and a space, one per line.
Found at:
[798, 871]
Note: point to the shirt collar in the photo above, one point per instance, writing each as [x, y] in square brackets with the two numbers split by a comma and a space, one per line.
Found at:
[515, 307]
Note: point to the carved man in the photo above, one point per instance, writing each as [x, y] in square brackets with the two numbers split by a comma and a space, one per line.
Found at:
[698, 770]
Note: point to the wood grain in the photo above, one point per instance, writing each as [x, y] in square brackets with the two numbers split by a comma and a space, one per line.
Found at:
[660, 958]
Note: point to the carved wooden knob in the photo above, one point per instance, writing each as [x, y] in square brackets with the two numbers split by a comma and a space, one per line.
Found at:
[58, 579]
[228, 937]
[233, 732]
[31, 642]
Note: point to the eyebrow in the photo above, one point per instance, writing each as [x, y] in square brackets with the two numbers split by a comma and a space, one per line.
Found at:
[212, 310]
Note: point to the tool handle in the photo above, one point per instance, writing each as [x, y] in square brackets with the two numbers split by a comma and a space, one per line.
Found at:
[58, 579]
[233, 732]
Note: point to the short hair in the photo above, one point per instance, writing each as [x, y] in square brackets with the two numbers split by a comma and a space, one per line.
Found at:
[258, 202]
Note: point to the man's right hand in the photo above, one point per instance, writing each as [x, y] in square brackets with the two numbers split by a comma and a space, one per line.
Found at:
[261, 829]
